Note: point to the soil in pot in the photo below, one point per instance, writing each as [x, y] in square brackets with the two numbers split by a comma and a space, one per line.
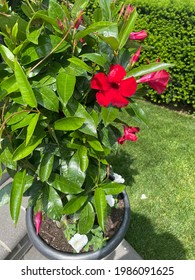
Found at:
[54, 236]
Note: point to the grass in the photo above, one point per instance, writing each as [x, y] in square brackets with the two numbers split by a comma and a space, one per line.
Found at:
[161, 165]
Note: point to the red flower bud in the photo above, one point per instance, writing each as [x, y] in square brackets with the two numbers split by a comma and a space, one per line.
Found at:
[135, 57]
[141, 35]
[38, 221]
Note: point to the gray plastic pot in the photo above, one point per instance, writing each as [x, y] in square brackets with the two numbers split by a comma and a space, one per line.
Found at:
[53, 254]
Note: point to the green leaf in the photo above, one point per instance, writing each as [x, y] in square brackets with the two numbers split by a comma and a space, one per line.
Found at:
[23, 151]
[109, 115]
[152, 67]
[47, 98]
[56, 11]
[46, 166]
[34, 35]
[100, 206]
[69, 123]
[96, 145]
[45, 45]
[80, 64]
[65, 87]
[7, 56]
[74, 172]
[113, 188]
[95, 57]
[86, 220]
[76, 109]
[79, 5]
[52, 204]
[139, 112]
[16, 195]
[5, 194]
[94, 27]
[83, 157]
[106, 9]
[127, 29]
[31, 127]
[74, 204]
[61, 183]
[6, 153]
[24, 86]
[8, 86]
[24, 122]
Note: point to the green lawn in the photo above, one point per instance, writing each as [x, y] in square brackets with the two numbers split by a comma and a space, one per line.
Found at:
[161, 165]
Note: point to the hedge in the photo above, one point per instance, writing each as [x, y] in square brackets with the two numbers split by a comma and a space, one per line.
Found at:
[170, 25]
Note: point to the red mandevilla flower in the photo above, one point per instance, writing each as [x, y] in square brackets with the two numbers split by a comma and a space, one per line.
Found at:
[38, 221]
[135, 57]
[129, 134]
[156, 80]
[78, 22]
[113, 89]
[141, 35]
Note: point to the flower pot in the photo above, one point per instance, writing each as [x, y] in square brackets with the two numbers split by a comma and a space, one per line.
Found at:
[54, 254]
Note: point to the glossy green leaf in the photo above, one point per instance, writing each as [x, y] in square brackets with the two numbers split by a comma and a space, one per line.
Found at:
[83, 157]
[96, 145]
[7, 56]
[45, 45]
[139, 112]
[76, 109]
[8, 86]
[16, 195]
[63, 184]
[65, 87]
[31, 127]
[100, 206]
[79, 5]
[23, 151]
[24, 122]
[113, 188]
[80, 64]
[47, 98]
[69, 123]
[46, 166]
[94, 27]
[52, 203]
[106, 9]
[74, 172]
[34, 35]
[86, 220]
[5, 194]
[74, 204]
[24, 85]
[94, 57]
[109, 114]
[56, 11]
[6, 153]
[127, 29]
[17, 117]
[146, 69]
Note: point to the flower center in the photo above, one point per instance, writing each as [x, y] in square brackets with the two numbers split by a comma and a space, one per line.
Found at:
[115, 85]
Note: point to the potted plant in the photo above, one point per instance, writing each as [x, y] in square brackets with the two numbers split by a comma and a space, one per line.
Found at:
[67, 80]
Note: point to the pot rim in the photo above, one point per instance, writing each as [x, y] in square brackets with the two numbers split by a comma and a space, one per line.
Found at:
[52, 253]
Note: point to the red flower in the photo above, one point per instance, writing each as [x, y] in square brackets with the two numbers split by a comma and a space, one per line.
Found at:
[141, 35]
[129, 134]
[38, 221]
[135, 57]
[156, 80]
[112, 88]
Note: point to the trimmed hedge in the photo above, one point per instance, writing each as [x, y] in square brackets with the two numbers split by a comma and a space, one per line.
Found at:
[170, 25]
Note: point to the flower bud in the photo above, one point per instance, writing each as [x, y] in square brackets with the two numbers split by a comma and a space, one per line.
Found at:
[141, 35]
[38, 221]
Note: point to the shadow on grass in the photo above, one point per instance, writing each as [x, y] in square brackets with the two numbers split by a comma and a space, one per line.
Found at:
[151, 245]
[122, 164]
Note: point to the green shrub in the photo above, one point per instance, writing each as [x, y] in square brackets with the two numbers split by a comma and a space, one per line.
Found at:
[170, 25]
